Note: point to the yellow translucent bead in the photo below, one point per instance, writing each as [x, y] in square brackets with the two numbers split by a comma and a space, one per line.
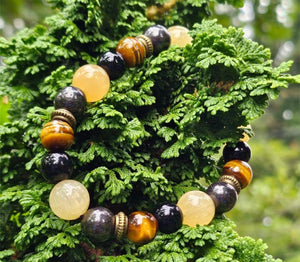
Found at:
[197, 208]
[69, 199]
[179, 35]
[93, 81]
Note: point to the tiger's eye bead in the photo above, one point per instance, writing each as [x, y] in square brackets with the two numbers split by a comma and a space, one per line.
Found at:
[197, 208]
[132, 50]
[179, 36]
[142, 227]
[169, 218]
[93, 81]
[72, 99]
[113, 63]
[241, 170]
[240, 151]
[57, 135]
[57, 166]
[98, 224]
[69, 199]
[224, 196]
[159, 36]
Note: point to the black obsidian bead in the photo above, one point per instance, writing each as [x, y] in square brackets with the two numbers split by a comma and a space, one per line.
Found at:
[169, 218]
[224, 196]
[72, 99]
[98, 224]
[160, 38]
[57, 166]
[241, 151]
[113, 63]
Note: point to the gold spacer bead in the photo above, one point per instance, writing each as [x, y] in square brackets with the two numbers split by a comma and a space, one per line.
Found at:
[121, 225]
[146, 41]
[64, 115]
[232, 181]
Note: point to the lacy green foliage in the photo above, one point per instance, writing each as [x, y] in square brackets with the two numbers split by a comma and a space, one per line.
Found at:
[151, 139]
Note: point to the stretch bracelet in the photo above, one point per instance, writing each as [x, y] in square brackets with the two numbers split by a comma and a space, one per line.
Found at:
[70, 200]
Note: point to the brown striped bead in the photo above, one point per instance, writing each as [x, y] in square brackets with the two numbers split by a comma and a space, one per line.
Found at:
[57, 135]
[132, 50]
[241, 170]
[142, 227]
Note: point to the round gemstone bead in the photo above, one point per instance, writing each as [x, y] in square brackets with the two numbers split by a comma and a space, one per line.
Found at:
[169, 218]
[224, 196]
[57, 166]
[240, 151]
[98, 224]
[241, 170]
[69, 199]
[57, 135]
[113, 63]
[197, 208]
[159, 36]
[132, 50]
[93, 81]
[72, 99]
[179, 36]
[142, 227]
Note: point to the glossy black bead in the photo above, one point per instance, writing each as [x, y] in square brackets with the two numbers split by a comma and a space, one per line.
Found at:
[98, 224]
[113, 63]
[160, 38]
[72, 99]
[169, 218]
[224, 196]
[240, 151]
[57, 166]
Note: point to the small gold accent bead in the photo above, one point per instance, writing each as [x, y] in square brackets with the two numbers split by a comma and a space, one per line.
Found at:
[64, 115]
[146, 41]
[232, 181]
[121, 225]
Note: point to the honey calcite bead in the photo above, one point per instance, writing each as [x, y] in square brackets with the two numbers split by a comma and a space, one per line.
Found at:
[179, 36]
[241, 170]
[69, 199]
[142, 227]
[93, 81]
[132, 50]
[197, 208]
[57, 135]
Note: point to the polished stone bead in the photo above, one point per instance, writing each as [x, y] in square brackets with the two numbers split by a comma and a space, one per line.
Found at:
[197, 208]
[57, 135]
[240, 151]
[132, 50]
[241, 170]
[113, 63]
[142, 227]
[179, 36]
[93, 81]
[224, 196]
[169, 218]
[72, 99]
[160, 38]
[57, 166]
[69, 199]
[98, 224]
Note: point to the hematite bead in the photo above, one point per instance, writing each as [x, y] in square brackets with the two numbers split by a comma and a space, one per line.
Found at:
[121, 225]
[240, 151]
[72, 99]
[98, 224]
[224, 196]
[169, 218]
[160, 38]
[64, 115]
[57, 166]
[113, 63]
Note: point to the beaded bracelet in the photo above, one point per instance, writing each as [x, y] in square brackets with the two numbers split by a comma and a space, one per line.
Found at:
[69, 199]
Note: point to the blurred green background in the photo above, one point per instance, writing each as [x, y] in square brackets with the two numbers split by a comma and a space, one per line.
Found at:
[270, 207]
